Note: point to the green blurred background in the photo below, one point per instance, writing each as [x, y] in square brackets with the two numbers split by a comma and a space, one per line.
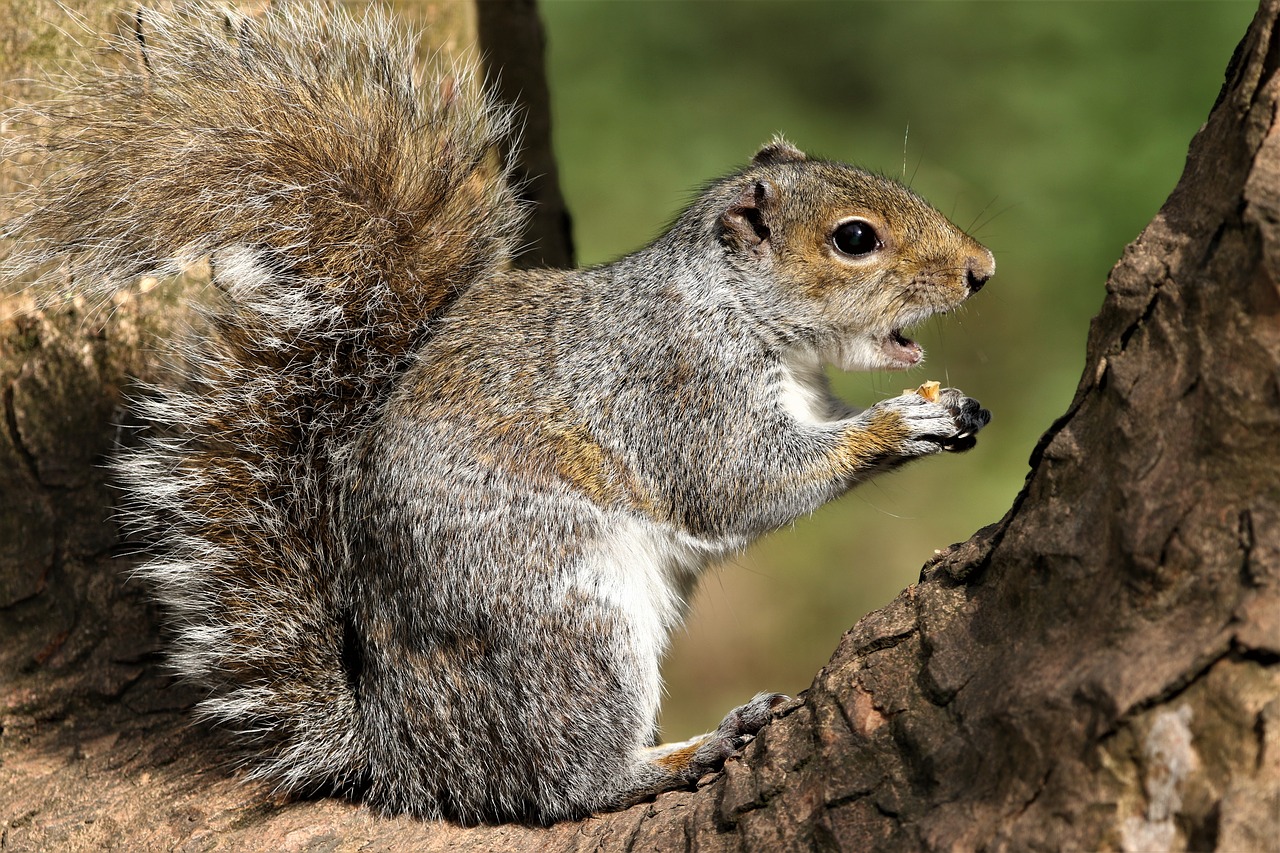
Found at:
[1053, 131]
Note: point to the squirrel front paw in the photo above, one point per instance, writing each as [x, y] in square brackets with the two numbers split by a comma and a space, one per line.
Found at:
[950, 424]
[969, 417]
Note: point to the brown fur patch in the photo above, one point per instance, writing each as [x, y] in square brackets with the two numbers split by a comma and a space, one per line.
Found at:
[862, 447]
[551, 447]
[568, 448]
[677, 762]
[580, 460]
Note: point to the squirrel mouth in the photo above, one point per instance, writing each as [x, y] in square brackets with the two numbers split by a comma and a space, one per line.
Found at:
[901, 350]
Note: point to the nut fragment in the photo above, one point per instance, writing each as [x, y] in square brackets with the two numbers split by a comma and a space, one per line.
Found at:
[931, 391]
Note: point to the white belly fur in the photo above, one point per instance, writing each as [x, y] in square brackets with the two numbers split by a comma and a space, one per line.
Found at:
[646, 573]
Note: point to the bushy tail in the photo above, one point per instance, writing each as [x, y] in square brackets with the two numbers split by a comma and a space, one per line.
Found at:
[343, 204]
[360, 199]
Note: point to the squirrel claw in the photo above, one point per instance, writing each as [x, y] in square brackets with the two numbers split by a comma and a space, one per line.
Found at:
[752, 717]
[738, 728]
[960, 443]
[969, 417]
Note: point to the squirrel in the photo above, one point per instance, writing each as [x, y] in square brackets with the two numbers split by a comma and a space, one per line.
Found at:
[423, 522]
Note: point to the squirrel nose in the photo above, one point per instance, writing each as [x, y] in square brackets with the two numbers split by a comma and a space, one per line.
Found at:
[978, 270]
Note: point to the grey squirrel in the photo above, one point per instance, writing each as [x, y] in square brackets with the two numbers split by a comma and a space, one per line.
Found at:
[424, 523]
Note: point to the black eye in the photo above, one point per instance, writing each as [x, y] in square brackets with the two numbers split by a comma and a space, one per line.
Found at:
[856, 238]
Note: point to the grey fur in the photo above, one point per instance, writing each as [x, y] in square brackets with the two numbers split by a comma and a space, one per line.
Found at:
[424, 524]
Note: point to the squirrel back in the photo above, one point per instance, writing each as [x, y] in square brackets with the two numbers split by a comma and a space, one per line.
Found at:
[344, 205]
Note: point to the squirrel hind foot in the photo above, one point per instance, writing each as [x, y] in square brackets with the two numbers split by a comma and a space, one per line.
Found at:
[690, 761]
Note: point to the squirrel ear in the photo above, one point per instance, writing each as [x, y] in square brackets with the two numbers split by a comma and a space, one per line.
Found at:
[745, 224]
[778, 151]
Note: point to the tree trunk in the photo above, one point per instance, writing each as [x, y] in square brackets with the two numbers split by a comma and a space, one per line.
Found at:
[1099, 670]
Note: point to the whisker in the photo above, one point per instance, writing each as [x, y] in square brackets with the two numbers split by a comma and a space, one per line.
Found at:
[912, 179]
[978, 215]
[906, 133]
[994, 216]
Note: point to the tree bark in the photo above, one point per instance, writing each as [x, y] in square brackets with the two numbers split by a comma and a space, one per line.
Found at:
[1098, 670]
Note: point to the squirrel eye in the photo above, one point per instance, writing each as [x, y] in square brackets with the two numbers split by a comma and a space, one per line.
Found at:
[856, 238]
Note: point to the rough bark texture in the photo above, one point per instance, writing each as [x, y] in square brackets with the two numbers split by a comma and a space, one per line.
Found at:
[1099, 670]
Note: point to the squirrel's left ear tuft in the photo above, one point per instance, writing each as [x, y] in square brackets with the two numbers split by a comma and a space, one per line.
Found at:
[778, 151]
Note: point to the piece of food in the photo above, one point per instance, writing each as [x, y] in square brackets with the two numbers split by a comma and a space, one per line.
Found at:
[929, 390]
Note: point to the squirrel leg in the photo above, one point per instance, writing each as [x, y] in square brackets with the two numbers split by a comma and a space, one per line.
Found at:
[677, 765]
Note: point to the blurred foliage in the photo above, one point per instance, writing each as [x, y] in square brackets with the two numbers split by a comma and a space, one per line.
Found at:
[1053, 131]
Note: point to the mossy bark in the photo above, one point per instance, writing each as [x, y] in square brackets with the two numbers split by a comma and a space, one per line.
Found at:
[1098, 670]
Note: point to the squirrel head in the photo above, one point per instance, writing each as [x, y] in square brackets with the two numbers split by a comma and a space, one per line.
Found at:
[850, 257]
